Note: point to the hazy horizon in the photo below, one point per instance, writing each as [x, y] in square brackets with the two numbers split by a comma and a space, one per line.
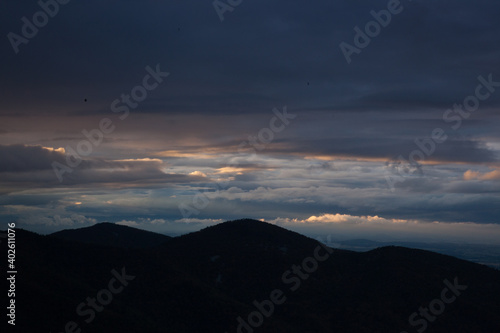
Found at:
[336, 233]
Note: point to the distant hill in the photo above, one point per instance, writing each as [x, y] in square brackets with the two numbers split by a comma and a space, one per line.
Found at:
[115, 235]
[485, 254]
[213, 279]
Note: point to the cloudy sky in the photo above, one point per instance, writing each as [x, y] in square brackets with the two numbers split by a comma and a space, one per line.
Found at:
[371, 118]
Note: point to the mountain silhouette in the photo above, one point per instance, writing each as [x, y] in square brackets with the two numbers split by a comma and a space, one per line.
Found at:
[110, 234]
[248, 276]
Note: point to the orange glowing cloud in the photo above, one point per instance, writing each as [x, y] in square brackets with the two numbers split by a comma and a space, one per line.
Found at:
[475, 175]
[341, 219]
[197, 173]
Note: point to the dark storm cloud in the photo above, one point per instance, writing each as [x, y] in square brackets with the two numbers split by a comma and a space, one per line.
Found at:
[429, 55]
[138, 177]
[22, 158]
[265, 54]
[25, 167]
[452, 151]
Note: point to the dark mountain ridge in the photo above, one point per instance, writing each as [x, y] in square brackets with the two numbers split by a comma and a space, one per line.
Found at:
[211, 281]
[110, 234]
[486, 254]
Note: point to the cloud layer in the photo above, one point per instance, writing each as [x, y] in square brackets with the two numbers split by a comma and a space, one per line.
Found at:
[206, 144]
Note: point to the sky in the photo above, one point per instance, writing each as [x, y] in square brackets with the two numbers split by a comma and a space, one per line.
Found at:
[373, 119]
